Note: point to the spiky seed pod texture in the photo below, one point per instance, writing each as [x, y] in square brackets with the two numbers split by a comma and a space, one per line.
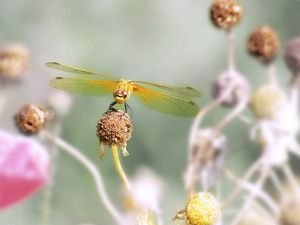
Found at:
[263, 43]
[267, 101]
[240, 88]
[114, 128]
[30, 119]
[290, 212]
[202, 209]
[13, 61]
[292, 55]
[225, 14]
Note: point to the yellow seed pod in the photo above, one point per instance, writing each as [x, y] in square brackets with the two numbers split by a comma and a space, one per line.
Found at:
[263, 44]
[114, 128]
[290, 212]
[30, 119]
[266, 101]
[225, 14]
[202, 209]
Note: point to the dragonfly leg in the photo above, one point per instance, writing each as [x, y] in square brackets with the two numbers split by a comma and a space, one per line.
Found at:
[111, 108]
[127, 107]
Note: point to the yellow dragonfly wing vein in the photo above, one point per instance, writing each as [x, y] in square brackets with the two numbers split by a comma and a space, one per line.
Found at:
[165, 103]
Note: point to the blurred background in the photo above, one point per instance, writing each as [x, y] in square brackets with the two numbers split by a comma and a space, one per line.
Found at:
[169, 41]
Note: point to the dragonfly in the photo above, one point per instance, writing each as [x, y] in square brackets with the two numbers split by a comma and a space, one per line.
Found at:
[163, 98]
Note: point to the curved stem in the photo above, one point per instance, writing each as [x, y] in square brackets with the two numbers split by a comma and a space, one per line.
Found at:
[119, 167]
[234, 113]
[46, 201]
[254, 167]
[91, 168]
[261, 193]
[251, 198]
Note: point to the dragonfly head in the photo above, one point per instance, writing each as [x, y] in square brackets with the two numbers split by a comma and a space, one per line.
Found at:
[121, 96]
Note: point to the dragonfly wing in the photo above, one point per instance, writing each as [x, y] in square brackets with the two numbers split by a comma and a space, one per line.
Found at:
[84, 86]
[71, 69]
[173, 90]
[165, 103]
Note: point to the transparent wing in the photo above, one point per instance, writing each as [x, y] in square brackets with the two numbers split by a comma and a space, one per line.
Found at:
[179, 91]
[165, 103]
[71, 69]
[84, 86]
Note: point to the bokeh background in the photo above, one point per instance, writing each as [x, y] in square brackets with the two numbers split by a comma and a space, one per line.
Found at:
[167, 41]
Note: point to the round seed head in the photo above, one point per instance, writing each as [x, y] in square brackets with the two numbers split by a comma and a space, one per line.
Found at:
[240, 88]
[202, 209]
[292, 55]
[263, 44]
[13, 62]
[253, 216]
[30, 119]
[225, 14]
[290, 212]
[114, 128]
[267, 101]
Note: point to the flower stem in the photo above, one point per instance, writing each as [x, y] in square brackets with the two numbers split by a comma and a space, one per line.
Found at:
[91, 168]
[119, 167]
[231, 53]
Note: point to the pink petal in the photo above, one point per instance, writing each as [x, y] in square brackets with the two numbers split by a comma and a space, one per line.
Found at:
[23, 168]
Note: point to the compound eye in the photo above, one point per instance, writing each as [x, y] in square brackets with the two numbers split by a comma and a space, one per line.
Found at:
[118, 93]
[125, 94]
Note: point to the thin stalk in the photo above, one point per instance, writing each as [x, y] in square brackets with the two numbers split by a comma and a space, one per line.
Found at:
[250, 172]
[46, 201]
[91, 168]
[119, 168]
[251, 198]
[230, 50]
[249, 187]
[272, 78]
[289, 174]
[277, 184]
[229, 117]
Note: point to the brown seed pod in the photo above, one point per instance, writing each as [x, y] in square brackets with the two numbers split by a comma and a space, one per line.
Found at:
[225, 14]
[31, 119]
[240, 88]
[292, 55]
[114, 128]
[263, 44]
[13, 62]
[290, 211]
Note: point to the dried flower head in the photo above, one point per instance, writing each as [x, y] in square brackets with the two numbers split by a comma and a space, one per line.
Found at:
[238, 85]
[263, 44]
[13, 62]
[292, 55]
[30, 119]
[290, 211]
[147, 191]
[267, 101]
[202, 209]
[60, 102]
[225, 13]
[114, 128]
[206, 157]
[255, 216]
